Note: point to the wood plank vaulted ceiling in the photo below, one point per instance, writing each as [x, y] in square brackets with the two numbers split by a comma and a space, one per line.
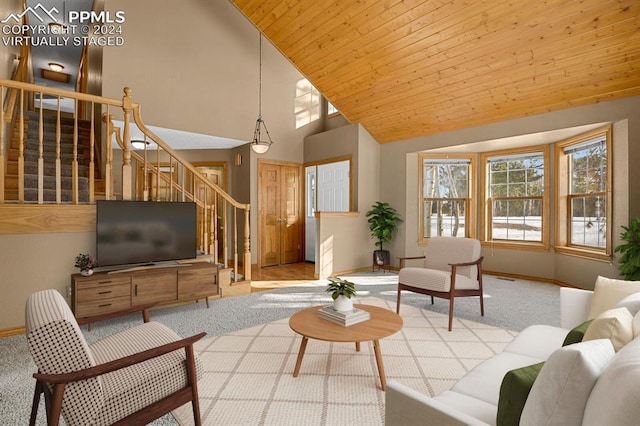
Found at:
[411, 68]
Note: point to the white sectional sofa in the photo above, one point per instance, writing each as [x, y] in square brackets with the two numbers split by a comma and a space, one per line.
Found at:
[473, 400]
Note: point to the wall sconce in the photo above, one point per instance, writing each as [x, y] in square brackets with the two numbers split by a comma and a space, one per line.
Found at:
[238, 160]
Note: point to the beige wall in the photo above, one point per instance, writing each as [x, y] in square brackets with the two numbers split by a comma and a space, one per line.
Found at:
[343, 243]
[29, 263]
[400, 166]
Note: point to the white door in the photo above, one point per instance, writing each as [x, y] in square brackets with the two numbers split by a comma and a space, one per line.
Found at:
[328, 190]
[310, 218]
[333, 187]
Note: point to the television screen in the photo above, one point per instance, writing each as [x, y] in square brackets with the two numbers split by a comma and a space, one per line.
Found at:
[141, 232]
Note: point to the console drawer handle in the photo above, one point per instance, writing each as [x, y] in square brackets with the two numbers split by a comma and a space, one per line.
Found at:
[104, 282]
[104, 292]
[105, 305]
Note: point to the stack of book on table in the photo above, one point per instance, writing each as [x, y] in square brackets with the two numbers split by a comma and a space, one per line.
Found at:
[345, 318]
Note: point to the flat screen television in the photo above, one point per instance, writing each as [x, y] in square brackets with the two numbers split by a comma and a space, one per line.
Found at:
[144, 232]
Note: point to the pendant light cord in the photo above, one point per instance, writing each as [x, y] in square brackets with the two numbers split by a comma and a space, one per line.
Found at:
[260, 77]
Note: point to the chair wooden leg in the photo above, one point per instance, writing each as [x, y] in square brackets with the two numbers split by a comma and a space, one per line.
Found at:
[53, 416]
[451, 313]
[36, 402]
[193, 382]
[398, 302]
[432, 300]
[481, 297]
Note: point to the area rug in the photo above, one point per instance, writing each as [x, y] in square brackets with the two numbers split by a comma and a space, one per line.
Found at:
[248, 374]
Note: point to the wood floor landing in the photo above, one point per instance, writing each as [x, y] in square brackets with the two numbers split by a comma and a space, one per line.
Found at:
[272, 277]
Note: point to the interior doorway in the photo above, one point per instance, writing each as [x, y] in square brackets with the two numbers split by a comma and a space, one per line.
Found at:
[280, 213]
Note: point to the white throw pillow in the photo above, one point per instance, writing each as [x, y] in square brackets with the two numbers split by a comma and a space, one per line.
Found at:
[561, 390]
[631, 302]
[614, 398]
[636, 325]
[614, 324]
[607, 292]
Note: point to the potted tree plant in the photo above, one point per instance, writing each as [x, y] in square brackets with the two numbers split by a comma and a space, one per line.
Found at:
[383, 221]
[341, 292]
[629, 262]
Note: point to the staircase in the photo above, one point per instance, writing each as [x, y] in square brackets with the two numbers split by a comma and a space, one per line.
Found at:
[53, 167]
[49, 154]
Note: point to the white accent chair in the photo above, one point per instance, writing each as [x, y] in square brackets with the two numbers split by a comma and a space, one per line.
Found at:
[452, 268]
[130, 377]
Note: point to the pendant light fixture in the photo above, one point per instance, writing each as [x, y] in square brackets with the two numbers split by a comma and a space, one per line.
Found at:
[258, 145]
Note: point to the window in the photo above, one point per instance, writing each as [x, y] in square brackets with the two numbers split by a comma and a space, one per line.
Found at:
[515, 197]
[307, 103]
[584, 194]
[445, 196]
[331, 110]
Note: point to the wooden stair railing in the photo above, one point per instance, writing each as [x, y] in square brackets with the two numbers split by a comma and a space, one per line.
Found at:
[51, 159]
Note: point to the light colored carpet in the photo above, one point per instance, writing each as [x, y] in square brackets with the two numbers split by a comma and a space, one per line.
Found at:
[248, 373]
[509, 304]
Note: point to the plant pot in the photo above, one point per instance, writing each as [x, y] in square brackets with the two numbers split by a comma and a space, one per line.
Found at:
[381, 259]
[86, 272]
[343, 304]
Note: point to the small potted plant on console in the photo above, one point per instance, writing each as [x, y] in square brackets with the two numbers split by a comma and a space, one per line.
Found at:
[86, 263]
[341, 292]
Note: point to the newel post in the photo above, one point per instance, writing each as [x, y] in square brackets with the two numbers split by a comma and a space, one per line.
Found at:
[127, 107]
[246, 251]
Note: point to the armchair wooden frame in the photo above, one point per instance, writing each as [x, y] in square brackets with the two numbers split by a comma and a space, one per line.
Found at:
[57, 382]
[452, 293]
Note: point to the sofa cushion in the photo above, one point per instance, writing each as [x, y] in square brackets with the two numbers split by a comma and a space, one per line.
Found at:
[484, 380]
[537, 341]
[514, 390]
[614, 398]
[576, 334]
[631, 302]
[615, 325]
[474, 407]
[608, 292]
[559, 394]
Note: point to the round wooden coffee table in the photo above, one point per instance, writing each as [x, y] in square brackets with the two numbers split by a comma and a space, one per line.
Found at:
[310, 325]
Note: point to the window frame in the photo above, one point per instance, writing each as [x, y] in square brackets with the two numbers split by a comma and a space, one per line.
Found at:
[486, 212]
[564, 197]
[470, 207]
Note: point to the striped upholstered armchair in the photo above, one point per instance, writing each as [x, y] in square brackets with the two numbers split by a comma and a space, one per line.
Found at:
[452, 268]
[131, 377]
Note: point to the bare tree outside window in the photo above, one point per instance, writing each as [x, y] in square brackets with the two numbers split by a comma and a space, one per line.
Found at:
[516, 189]
[446, 197]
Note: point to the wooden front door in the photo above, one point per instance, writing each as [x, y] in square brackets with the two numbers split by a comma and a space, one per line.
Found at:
[280, 216]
